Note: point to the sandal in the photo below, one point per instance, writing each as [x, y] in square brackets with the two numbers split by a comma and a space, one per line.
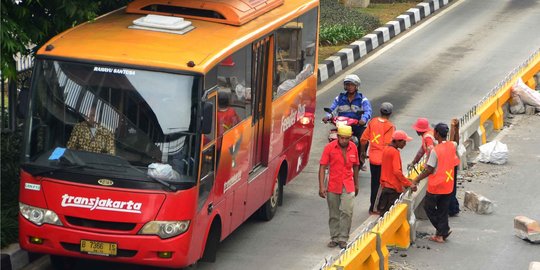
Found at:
[446, 236]
[342, 244]
[332, 244]
[436, 238]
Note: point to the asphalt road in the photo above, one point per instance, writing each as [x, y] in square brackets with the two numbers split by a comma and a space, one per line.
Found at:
[438, 70]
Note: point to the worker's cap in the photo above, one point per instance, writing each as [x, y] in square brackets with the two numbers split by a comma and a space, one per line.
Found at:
[421, 125]
[400, 135]
[442, 129]
[386, 108]
[344, 130]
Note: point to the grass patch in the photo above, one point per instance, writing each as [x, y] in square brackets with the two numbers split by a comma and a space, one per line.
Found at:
[383, 12]
[327, 51]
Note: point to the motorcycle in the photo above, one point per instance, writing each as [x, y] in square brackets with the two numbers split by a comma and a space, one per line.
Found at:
[338, 121]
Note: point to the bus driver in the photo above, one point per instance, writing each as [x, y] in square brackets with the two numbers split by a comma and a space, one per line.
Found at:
[91, 136]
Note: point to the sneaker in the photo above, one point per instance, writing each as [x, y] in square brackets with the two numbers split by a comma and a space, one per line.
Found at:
[332, 244]
[342, 244]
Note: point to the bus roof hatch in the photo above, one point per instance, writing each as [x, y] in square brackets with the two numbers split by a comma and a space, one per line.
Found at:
[160, 23]
[233, 12]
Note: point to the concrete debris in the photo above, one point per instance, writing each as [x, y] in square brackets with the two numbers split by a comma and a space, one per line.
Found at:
[478, 203]
[530, 110]
[527, 229]
[421, 234]
[399, 266]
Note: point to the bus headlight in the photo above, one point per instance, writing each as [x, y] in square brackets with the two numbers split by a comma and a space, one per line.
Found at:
[165, 229]
[39, 216]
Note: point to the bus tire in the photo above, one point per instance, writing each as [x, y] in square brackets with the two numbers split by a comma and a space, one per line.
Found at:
[269, 208]
[62, 263]
[212, 243]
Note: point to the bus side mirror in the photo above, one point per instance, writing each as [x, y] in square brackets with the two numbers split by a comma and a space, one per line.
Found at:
[22, 103]
[207, 117]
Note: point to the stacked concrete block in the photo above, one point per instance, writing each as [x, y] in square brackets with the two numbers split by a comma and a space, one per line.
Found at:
[478, 203]
[527, 228]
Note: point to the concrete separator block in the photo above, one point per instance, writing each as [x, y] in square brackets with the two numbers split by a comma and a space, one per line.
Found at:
[534, 266]
[527, 228]
[478, 203]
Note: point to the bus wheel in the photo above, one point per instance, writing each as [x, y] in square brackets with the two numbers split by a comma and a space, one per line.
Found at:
[212, 243]
[269, 208]
[62, 263]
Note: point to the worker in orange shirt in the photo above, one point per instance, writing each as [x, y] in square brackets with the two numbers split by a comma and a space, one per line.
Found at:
[378, 134]
[393, 181]
[428, 140]
[340, 157]
[440, 173]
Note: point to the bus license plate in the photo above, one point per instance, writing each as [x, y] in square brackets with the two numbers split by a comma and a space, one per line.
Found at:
[98, 248]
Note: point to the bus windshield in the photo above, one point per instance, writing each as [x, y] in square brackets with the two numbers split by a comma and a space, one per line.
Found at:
[111, 121]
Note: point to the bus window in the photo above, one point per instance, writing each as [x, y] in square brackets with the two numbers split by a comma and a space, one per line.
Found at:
[207, 138]
[227, 117]
[207, 175]
[295, 52]
[234, 82]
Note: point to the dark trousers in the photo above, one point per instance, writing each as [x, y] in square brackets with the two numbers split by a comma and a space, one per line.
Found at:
[375, 182]
[436, 206]
[357, 132]
[453, 208]
[387, 199]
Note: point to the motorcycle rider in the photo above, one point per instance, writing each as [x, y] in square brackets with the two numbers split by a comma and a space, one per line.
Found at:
[353, 104]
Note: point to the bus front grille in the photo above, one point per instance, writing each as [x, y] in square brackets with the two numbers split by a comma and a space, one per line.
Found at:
[98, 224]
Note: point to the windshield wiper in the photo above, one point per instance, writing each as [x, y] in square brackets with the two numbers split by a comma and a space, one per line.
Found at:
[164, 183]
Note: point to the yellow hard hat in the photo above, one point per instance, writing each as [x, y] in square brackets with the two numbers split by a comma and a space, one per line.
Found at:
[344, 130]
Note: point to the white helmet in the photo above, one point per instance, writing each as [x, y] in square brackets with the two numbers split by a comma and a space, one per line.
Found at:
[353, 78]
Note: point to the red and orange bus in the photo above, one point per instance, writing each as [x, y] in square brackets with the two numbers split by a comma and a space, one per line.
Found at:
[154, 131]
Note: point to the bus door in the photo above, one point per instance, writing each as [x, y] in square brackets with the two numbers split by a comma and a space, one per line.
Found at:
[260, 72]
[205, 203]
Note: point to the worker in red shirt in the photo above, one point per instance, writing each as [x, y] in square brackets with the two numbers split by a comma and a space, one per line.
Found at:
[378, 134]
[428, 140]
[440, 173]
[393, 181]
[340, 157]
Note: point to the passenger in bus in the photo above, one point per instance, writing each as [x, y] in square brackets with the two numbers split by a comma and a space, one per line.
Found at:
[226, 116]
[91, 136]
[292, 79]
[289, 83]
